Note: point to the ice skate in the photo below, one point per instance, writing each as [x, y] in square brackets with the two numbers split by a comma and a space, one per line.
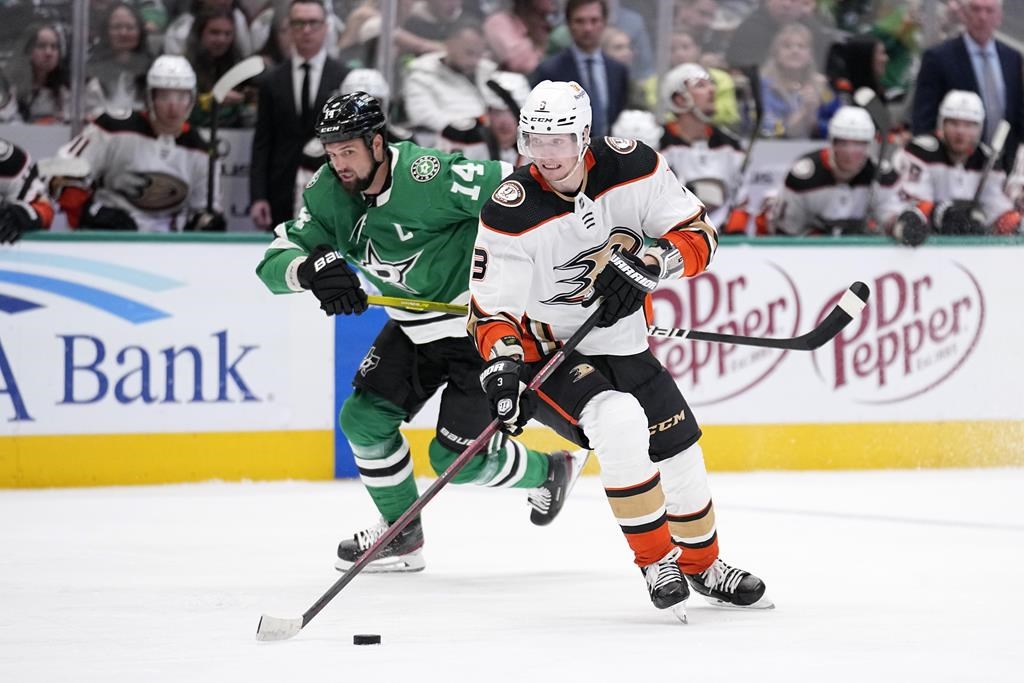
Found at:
[727, 586]
[563, 471]
[403, 554]
[666, 585]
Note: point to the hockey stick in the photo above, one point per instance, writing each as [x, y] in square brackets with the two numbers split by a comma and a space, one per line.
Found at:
[416, 305]
[849, 307]
[998, 142]
[274, 628]
[754, 83]
[850, 304]
[232, 78]
[867, 99]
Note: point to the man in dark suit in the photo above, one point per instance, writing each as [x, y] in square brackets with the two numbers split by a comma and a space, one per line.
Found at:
[605, 80]
[974, 61]
[290, 96]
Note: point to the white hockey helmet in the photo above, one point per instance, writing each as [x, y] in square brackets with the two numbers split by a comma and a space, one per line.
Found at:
[637, 124]
[514, 84]
[677, 80]
[963, 105]
[369, 81]
[171, 72]
[555, 108]
[851, 123]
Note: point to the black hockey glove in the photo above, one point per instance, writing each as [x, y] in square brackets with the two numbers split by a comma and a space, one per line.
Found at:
[332, 281]
[17, 218]
[99, 217]
[206, 221]
[623, 285]
[505, 396]
[911, 228]
[958, 217]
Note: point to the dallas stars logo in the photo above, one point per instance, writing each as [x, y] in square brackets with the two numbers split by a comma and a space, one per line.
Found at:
[391, 272]
[424, 168]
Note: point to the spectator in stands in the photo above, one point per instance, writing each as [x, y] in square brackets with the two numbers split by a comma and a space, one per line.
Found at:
[751, 42]
[974, 61]
[443, 89]
[519, 37]
[616, 44]
[632, 24]
[278, 44]
[685, 49]
[358, 43]
[433, 19]
[697, 19]
[116, 71]
[492, 136]
[212, 50]
[152, 15]
[8, 102]
[899, 28]
[796, 99]
[176, 37]
[275, 13]
[40, 78]
[859, 63]
[605, 80]
[290, 96]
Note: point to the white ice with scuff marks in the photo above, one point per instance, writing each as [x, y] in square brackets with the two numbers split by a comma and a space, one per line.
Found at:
[878, 576]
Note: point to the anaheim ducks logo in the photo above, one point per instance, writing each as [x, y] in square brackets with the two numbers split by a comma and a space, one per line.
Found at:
[585, 265]
[509, 193]
[621, 145]
[580, 371]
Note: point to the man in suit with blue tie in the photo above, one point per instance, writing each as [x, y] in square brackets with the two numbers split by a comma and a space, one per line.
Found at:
[974, 61]
[605, 80]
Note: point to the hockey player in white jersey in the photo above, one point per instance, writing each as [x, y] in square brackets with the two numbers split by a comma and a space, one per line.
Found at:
[837, 190]
[706, 159]
[147, 171]
[24, 204]
[556, 236]
[939, 175]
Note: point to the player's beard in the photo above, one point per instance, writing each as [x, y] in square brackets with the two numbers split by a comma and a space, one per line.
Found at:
[359, 185]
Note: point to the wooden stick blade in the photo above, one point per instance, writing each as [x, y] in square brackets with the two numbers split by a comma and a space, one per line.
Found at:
[999, 136]
[273, 628]
[236, 75]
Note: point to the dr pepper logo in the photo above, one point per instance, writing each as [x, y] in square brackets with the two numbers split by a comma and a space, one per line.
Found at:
[761, 301]
[918, 329]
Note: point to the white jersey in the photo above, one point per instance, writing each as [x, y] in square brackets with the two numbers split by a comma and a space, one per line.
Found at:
[538, 252]
[708, 168]
[174, 170]
[814, 201]
[928, 176]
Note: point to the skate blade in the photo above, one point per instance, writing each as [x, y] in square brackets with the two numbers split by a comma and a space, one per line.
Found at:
[763, 603]
[402, 564]
[679, 609]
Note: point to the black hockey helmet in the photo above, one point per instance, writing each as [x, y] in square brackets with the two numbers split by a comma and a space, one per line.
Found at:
[349, 116]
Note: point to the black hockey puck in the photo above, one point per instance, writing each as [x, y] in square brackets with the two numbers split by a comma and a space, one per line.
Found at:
[366, 639]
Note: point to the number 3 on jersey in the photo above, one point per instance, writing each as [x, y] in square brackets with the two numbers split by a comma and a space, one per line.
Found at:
[479, 269]
[467, 172]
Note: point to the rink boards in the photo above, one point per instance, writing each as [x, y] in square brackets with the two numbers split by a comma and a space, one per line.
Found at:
[152, 360]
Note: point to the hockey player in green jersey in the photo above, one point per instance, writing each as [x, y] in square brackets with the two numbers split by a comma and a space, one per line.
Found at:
[407, 218]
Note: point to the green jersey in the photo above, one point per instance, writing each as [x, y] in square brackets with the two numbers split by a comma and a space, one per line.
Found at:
[414, 240]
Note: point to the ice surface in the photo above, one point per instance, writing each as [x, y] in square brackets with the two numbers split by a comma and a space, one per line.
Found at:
[878, 576]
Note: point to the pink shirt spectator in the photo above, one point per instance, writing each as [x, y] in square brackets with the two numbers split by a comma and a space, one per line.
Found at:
[510, 41]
